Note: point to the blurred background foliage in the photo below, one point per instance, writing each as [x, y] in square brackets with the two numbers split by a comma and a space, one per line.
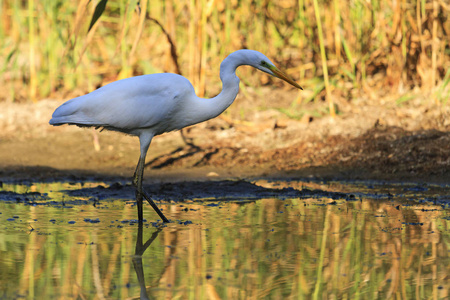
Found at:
[371, 48]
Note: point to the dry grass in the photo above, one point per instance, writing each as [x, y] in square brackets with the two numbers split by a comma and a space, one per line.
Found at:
[372, 48]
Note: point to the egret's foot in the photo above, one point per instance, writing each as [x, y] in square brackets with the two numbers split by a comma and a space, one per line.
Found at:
[155, 207]
[142, 194]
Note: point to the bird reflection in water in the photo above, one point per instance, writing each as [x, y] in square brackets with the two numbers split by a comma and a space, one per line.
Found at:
[137, 258]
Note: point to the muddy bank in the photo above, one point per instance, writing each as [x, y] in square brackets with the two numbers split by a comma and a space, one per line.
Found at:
[366, 141]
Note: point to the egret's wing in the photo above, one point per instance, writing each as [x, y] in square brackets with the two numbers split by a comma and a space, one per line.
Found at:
[137, 102]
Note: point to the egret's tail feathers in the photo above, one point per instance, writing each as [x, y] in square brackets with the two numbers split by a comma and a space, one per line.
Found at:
[56, 121]
[70, 113]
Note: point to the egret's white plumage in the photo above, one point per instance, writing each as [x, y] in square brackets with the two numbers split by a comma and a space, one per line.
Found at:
[150, 105]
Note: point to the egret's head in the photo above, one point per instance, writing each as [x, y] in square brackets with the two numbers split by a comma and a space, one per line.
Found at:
[261, 62]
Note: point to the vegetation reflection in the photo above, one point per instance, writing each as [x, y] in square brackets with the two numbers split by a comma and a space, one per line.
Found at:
[265, 249]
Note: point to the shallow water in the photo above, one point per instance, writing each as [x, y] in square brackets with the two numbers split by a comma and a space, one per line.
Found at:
[285, 240]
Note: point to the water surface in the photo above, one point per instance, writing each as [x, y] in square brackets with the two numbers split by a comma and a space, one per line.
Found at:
[323, 240]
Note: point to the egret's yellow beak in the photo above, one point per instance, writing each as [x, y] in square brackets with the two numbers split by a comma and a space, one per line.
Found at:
[284, 77]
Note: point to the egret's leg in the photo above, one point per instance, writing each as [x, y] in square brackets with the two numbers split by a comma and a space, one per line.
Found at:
[140, 193]
[137, 182]
[145, 139]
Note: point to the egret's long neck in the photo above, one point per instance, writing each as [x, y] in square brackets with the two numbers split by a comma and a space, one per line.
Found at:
[211, 108]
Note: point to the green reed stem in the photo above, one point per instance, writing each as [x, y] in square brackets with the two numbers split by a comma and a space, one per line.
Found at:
[324, 59]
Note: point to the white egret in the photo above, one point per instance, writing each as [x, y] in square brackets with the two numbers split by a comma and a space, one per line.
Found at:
[149, 105]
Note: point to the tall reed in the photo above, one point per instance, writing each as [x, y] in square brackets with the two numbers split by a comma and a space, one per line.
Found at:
[383, 46]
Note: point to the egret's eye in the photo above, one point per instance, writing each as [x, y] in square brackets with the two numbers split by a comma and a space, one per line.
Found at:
[263, 63]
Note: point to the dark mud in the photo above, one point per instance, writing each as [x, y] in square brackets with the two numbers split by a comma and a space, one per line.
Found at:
[237, 191]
